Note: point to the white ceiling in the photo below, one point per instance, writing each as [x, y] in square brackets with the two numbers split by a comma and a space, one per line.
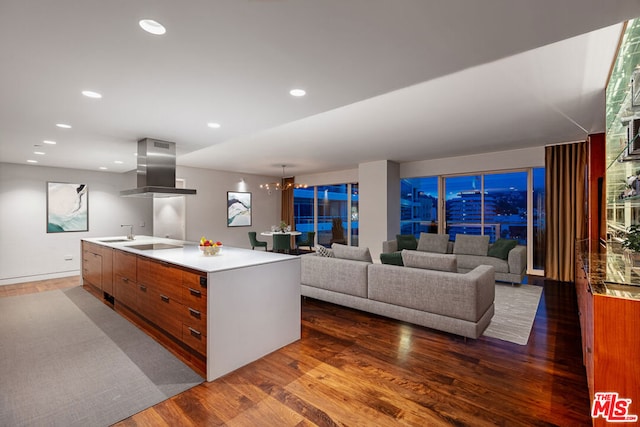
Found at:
[386, 79]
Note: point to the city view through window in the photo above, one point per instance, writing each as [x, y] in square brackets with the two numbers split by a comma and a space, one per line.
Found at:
[493, 204]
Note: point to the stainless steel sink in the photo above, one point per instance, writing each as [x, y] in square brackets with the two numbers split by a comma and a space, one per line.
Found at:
[114, 240]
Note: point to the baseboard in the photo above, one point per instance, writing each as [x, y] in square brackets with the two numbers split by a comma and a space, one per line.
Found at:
[36, 277]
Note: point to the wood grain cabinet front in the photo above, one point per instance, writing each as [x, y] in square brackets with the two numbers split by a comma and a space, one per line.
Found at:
[92, 264]
[125, 283]
[194, 314]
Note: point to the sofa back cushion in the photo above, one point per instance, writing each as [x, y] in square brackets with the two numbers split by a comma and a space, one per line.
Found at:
[351, 252]
[406, 241]
[436, 243]
[471, 245]
[500, 249]
[430, 261]
[394, 258]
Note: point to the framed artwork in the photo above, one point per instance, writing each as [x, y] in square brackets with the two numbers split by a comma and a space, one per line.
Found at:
[238, 209]
[67, 207]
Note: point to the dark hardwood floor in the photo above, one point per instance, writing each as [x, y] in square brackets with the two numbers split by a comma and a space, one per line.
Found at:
[352, 368]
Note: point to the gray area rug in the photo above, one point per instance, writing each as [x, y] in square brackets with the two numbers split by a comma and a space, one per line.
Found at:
[515, 311]
[66, 359]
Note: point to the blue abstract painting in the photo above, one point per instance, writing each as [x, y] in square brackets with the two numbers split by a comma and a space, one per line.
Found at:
[67, 207]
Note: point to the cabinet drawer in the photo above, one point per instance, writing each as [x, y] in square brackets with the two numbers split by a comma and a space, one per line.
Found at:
[195, 281]
[195, 339]
[160, 277]
[194, 298]
[125, 291]
[195, 318]
[124, 265]
[167, 312]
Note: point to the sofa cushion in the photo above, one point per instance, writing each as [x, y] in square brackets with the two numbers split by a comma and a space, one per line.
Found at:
[322, 251]
[471, 245]
[394, 258]
[469, 262]
[430, 242]
[500, 249]
[406, 241]
[429, 261]
[351, 252]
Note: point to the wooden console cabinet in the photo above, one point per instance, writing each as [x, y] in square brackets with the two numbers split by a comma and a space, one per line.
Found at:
[610, 341]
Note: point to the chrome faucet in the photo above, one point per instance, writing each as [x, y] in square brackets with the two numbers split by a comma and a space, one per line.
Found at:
[130, 235]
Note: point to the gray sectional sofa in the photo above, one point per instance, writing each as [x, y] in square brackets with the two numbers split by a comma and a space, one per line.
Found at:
[427, 291]
[472, 251]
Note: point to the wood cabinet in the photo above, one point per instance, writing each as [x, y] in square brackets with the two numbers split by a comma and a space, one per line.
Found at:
[610, 328]
[125, 279]
[97, 267]
[92, 264]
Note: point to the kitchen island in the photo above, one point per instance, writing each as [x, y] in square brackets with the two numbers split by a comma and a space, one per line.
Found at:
[216, 313]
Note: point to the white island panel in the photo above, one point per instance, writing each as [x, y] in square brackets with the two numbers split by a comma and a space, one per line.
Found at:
[252, 311]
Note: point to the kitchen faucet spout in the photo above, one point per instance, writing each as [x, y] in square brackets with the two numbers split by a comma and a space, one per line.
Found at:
[130, 235]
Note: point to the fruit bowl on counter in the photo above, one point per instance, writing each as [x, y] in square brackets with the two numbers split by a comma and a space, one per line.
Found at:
[209, 247]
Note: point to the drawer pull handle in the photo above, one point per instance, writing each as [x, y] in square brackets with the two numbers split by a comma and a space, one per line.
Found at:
[164, 298]
[143, 288]
[194, 332]
[195, 292]
[124, 279]
[194, 313]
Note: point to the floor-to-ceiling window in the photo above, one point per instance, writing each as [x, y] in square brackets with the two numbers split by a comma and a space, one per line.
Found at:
[497, 204]
[329, 210]
[419, 205]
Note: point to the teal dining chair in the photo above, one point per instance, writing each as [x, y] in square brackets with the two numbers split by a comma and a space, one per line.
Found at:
[282, 243]
[255, 242]
[306, 239]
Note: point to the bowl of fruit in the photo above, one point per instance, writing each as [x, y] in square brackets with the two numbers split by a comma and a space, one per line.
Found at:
[209, 247]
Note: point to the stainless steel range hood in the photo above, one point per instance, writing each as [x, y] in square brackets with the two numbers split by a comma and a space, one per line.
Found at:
[156, 171]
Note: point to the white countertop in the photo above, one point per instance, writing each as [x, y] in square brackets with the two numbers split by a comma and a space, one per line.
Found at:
[190, 256]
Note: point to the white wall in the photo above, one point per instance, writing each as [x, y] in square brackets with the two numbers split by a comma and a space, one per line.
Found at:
[206, 212]
[27, 251]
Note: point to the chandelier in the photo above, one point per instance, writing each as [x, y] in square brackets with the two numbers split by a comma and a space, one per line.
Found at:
[284, 184]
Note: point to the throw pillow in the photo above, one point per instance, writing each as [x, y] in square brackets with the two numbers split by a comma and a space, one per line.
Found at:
[430, 261]
[430, 242]
[351, 252]
[500, 249]
[325, 252]
[471, 245]
[406, 241]
[393, 258]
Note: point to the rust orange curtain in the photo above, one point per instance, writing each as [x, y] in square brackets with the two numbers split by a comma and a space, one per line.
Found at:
[565, 197]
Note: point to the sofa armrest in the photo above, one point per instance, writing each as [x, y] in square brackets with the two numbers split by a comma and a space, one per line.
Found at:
[517, 259]
[389, 246]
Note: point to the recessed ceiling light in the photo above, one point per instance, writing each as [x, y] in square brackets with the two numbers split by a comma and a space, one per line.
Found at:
[153, 27]
[103, 168]
[213, 125]
[46, 141]
[63, 125]
[91, 94]
[32, 161]
[40, 153]
[118, 162]
[298, 92]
